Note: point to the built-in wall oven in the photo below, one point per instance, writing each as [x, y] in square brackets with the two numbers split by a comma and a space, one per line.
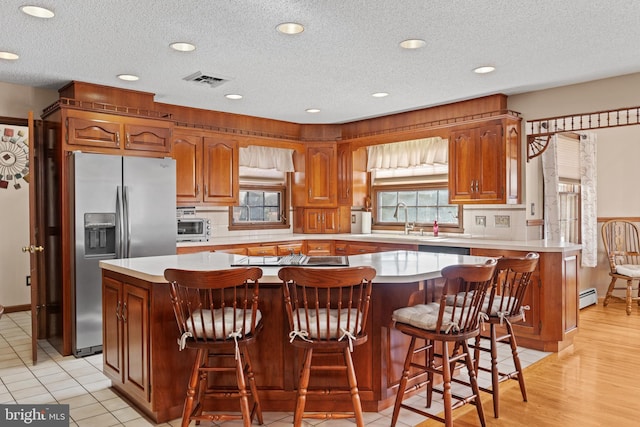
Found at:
[192, 228]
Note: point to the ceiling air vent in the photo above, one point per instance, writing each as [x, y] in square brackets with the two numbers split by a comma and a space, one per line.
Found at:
[204, 79]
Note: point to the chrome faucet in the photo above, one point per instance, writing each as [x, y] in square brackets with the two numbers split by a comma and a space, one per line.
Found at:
[407, 226]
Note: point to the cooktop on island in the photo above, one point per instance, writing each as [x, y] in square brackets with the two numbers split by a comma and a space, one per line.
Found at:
[311, 261]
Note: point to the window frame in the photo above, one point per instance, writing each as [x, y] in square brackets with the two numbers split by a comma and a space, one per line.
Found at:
[377, 225]
[284, 218]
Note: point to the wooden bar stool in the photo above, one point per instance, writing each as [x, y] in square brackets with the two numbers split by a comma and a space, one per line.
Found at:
[327, 310]
[453, 320]
[504, 307]
[217, 314]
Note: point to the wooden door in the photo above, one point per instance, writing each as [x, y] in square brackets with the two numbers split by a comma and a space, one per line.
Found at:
[187, 151]
[321, 175]
[112, 310]
[462, 165]
[220, 166]
[490, 164]
[135, 322]
[145, 135]
[330, 221]
[93, 130]
[36, 240]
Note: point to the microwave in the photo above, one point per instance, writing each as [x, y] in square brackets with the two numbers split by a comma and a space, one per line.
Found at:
[193, 229]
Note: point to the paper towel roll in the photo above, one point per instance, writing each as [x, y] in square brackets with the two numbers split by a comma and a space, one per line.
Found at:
[366, 222]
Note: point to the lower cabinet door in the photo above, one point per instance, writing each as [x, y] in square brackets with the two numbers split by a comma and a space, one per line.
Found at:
[136, 340]
[112, 334]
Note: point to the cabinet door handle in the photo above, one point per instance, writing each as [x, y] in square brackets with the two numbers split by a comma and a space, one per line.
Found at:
[124, 313]
[128, 139]
[309, 193]
[477, 185]
[118, 310]
[471, 188]
[117, 139]
[197, 189]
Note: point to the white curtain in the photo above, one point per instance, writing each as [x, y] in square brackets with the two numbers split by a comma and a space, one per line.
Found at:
[261, 157]
[588, 181]
[416, 152]
[551, 198]
[588, 197]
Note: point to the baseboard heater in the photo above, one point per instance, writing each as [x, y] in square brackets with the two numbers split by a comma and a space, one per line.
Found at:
[588, 297]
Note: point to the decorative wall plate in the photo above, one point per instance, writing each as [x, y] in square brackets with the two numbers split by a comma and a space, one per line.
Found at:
[14, 156]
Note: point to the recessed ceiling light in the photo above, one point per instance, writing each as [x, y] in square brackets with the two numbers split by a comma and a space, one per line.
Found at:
[182, 46]
[379, 94]
[290, 28]
[312, 110]
[413, 44]
[9, 55]
[233, 96]
[128, 77]
[484, 69]
[37, 11]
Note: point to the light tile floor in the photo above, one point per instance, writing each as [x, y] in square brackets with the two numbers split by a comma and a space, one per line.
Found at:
[81, 384]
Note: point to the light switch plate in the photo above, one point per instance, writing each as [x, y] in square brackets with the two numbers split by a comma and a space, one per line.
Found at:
[481, 220]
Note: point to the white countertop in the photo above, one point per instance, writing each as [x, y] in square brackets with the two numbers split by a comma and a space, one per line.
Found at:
[391, 267]
[442, 240]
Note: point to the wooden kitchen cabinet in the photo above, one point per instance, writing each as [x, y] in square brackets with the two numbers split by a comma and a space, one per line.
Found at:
[314, 183]
[126, 336]
[291, 248]
[263, 250]
[322, 220]
[139, 340]
[484, 163]
[108, 132]
[552, 297]
[320, 247]
[206, 168]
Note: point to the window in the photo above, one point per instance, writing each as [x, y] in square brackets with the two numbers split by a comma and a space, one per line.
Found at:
[568, 153]
[260, 207]
[569, 195]
[422, 204]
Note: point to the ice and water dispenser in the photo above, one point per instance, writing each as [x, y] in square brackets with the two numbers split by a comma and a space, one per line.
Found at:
[99, 234]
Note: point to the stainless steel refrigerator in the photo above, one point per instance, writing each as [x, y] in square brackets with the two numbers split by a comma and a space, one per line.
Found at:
[125, 207]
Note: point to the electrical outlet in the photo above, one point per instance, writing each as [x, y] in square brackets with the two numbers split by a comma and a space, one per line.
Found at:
[481, 221]
[503, 221]
[353, 218]
[28, 280]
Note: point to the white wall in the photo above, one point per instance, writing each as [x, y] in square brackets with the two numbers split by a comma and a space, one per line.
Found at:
[16, 102]
[618, 151]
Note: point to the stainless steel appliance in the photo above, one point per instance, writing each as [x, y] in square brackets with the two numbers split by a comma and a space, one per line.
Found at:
[191, 228]
[124, 207]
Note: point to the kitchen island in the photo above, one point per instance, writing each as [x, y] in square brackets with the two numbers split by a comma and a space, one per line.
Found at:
[142, 359]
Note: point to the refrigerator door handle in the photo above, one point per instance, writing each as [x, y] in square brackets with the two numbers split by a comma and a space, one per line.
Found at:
[125, 200]
[120, 224]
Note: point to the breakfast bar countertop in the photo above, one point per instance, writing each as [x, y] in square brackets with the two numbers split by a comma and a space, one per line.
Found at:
[391, 267]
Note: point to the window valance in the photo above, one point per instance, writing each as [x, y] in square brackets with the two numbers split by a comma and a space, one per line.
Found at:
[405, 154]
[261, 157]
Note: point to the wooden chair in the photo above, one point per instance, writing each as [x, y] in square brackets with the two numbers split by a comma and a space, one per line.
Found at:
[327, 310]
[445, 326]
[217, 314]
[504, 307]
[621, 244]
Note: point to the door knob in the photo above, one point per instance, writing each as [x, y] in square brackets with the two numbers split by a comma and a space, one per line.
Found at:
[32, 249]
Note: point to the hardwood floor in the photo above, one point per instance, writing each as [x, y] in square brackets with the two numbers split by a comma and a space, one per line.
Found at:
[595, 383]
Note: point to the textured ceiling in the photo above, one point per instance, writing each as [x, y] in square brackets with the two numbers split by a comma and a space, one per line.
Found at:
[349, 50]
